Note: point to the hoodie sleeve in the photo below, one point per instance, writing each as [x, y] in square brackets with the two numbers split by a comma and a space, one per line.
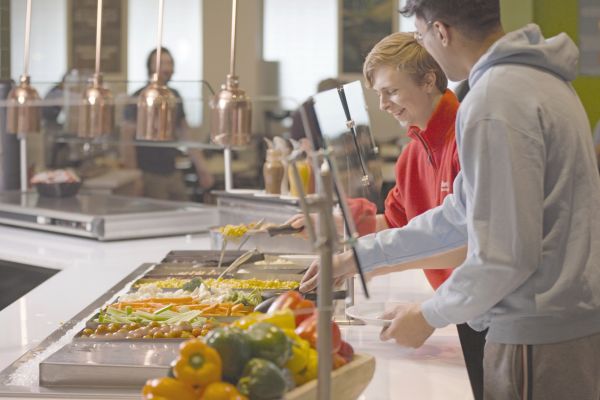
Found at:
[502, 180]
[435, 231]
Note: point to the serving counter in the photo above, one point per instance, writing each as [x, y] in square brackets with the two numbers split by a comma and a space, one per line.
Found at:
[88, 269]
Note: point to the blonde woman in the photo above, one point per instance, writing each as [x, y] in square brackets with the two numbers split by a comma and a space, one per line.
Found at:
[412, 88]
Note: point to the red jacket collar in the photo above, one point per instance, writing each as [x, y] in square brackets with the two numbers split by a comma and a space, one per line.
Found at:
[442, 119]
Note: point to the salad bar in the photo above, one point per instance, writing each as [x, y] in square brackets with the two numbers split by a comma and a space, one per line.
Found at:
[252, 317]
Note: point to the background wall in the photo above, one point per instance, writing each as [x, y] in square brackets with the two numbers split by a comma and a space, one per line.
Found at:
[553, 17]
[557, 16]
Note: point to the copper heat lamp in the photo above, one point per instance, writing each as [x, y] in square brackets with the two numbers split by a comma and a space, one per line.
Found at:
[97, 114]
[156, 104]
[231, 111]
[23, 115]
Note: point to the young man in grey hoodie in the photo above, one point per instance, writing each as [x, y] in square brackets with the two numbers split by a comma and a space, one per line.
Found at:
[525, 205]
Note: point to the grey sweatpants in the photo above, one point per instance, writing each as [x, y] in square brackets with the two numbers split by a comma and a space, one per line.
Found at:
[559, 371]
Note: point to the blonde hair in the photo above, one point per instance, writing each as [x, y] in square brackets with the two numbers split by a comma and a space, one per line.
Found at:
[402, 51]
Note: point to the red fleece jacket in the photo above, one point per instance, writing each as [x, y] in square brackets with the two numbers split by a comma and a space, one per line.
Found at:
[425, 172]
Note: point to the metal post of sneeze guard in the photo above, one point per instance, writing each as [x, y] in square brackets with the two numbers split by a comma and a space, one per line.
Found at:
[23, 162]
[328, 236]
[228, 169]
[326, 242]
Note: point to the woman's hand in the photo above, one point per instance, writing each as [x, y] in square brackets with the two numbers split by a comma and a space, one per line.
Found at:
[408, 328]
[297, 221]
[343, 267]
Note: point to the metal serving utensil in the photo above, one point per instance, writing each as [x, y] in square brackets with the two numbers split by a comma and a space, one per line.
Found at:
[238, 262]
[247, 236]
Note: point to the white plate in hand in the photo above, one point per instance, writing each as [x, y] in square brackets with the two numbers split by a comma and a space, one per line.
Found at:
[371, 313]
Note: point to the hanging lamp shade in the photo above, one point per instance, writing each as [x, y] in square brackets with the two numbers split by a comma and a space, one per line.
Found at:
[156, 104]
[231, 115]
[97, 113]
[23, 115]
[230, 108]
[156, 107]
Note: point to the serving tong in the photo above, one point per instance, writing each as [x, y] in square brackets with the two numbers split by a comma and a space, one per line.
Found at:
[238, 262]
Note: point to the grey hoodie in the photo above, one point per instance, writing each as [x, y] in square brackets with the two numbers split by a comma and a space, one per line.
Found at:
[527, 202]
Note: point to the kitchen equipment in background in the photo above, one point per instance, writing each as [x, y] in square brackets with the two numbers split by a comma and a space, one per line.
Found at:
[97, 115]
[156, 104]
[105, 217]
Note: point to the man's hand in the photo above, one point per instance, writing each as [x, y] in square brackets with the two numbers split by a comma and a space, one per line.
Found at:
[409, 328]
[343, 267]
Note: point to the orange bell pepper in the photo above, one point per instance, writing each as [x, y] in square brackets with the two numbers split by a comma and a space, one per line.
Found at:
[197, 364]
[167, 389]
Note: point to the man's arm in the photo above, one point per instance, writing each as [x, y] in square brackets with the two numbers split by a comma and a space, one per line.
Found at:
[434, 232]
[503, 176]
[448, 259]
[381, 223]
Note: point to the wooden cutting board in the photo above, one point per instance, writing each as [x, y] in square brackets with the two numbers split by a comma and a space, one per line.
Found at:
[347, 382]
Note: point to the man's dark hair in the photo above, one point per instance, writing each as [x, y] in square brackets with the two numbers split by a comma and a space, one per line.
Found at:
[468, 16]
[150, 65]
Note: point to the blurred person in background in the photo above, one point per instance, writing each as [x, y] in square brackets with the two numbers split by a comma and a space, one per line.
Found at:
[161, 179]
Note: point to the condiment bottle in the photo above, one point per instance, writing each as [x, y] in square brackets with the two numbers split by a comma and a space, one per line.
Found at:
[273, 171]
[305, 172]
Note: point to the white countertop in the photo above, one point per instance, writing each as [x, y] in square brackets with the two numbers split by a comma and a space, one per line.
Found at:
[89, 268]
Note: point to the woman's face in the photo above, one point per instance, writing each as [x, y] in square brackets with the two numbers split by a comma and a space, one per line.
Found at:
[399, 95]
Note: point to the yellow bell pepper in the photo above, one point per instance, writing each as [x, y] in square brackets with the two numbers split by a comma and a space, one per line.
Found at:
[310, 371]
[167, 389]
[283, 319]
[221, 391]
[247, 321]
[300, 353]
[197, 364]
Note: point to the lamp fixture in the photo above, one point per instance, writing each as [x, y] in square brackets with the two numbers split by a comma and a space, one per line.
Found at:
[231, 109]
[98, 111]
[156, 103]
[23, 115]
[97, 115]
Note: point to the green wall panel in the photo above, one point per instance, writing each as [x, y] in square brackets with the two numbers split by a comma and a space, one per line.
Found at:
[555, 16]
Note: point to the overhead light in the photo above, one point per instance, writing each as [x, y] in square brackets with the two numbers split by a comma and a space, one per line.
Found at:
[97, 114]
[156, 104]
[23, 114]
[231, 109]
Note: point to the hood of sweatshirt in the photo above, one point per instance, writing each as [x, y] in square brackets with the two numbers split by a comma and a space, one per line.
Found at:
[526, 46]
